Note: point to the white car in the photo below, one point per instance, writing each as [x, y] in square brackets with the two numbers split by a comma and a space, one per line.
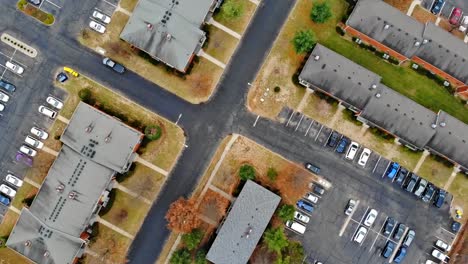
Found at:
[439, 255]
[12, 179]
[103, 18]
[97, 27]
[47, 112]
[442, 245]
[301, 217]
[370, 218]
[14, 67]
[7, 190]
[311, 198]
[28, 151]
[54, 102]
[299, 228]
[39, 133]
[430, 262]
[34, 142]
[364, 157]
[350, 207]
[2, 107]
[4, 97]
[352, 150]
[360, 235]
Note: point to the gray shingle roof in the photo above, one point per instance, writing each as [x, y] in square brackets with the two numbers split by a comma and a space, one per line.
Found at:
[244, 226]
[339, 76]
[168, 29]
[400, 32]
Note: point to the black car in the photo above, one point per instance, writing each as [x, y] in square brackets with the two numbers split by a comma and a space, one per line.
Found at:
[428, 193]
[113, 65]
[61, 77]
[389, 225]
[401, 176]
[411, 182]
[333, 140]
[7, 86]
[399, 232]
[388, 250]
[439, 198]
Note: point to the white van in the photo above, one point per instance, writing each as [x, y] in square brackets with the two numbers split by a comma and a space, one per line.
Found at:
[47, 112]
[296, 226]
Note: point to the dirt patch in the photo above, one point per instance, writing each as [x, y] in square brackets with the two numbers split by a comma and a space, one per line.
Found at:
[40, 168]
[213, 206]
[262, 255]
[402, 5]
[422, 15]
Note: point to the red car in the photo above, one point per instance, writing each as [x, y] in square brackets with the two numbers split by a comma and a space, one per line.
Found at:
[456, 15]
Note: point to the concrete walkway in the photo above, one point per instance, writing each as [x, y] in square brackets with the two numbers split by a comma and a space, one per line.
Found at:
[224, 28]
[115, 228]
[255, 2]
[412, 6]
[50, 151]
[125, 11]
[173, 248]
[207, 220]
[14, 209]
[63, 119]
[454, 174]
[304, 100]
[438, 21]
[131, 193]
[151, 166]
[421, 161]
[336, 115]
[33, 183]
[212, 59]
[221, 192]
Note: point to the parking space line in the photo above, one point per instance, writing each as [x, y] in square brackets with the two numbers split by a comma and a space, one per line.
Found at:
[298, 124]
[256, 120]
[359, 225]
[320, 130]
[328, 138]
[307, 132]
[52, 3]
[110, 3]
[345, 224]
[376, 164]
[388, 165]
[376, 237]
[400, 241]
[289, 120]
[448, 231]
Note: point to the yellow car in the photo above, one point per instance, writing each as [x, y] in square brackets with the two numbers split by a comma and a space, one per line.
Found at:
[71, 71]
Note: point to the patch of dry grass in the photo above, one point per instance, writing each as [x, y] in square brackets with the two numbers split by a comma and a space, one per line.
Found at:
[220, 44]
[144, 181]
[237, 24]
[8, 222]
[422, 15]
[435, 171]
[402, 5]
[26, 191]
[459, 189]
[41, 165]
[213, 206]
[9, 256]
[128, 5]
[111, 246]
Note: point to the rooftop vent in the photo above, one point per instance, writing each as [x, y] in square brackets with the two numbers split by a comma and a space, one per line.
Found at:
[27, 243]
[417, 44]
[168, 36]
[46, 254]
[442, 124]
[387, 26]
[89, 128]
[433, 126]
[374, 86]
[72, 195]
[108, 138]
[60, 188]
[378, 95]
[425, 41]
[316, 57]
[149, 26]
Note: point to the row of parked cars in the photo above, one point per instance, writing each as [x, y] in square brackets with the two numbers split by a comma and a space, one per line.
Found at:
[8, 88]
[344, 145]
[8, 188]
[412, 183]
[456, 17]
[305, 206]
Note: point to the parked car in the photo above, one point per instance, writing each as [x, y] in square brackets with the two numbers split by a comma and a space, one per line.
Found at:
[97, 27]
[360, 235]
[34, 142]
[463, 24]
[312, 168]
[400, 255]
[389, 225]
[429, 262]
[409, 238]
[428, 193]
[7, 190]
[455, 16]
[4, 200]
[301, 217]
[4, 97]
[439, 198]
[35, 2]
[47, 111]
[333, 140]
[350, 207]
[13, 180]
[442, 245]
[61, 77]
[317, 189]
[401, 176]
[39, 133]
[2, 107]
[455, 226]
[296, 226]
[28, 151]
[437, 6]
[388, 250]
[370, 218]
[411, 182]
[364, 157]
[113, 65]
[311, 198]
[399, 232]
[14, 67]
[342, 145]
[54, 102]
[419, 190]
[305, 206]
[101, 17]
[25, 159]
[352, 150]
[439, 255]
[392, 170]
[7, 86]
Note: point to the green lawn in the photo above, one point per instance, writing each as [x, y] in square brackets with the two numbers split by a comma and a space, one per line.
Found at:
[220, 44]
[458, 189]
[27, 190]
[240, 23]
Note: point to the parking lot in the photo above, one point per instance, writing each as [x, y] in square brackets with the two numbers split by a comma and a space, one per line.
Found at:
[20, 111]
[448, 6]
[107, 7]
[329, 228]
[51, 6]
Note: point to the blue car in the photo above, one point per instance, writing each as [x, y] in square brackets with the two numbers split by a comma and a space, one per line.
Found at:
[440, 197]
[305, 206]
[342, 145]
[393, 170]
[401, 254]
[388, 250]
[4, 200]
[437, 7]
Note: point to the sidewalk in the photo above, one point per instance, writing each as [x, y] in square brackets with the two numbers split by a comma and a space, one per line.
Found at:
[151, 165]
[115, 228]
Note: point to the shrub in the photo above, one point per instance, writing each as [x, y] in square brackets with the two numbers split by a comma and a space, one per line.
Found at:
[193, 239]
[286, 212]
[321, 12]
[200, 257]
[232, 9]
[85, 95]
[153, 132]
[277, 89]
[275, 240]
[181, 256]
[304, 41]
[272, 174]
[28, 200]
[49, 19]
[340, 31]
[247, 172]
[3, 241]
[21, 4]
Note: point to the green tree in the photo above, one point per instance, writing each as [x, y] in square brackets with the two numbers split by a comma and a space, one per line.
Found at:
[232, 9]
[247, 172]
[275, 239]
[294, 252]
[200, 257]
[272, 174]
[286, 212]
[181, 256]
[321, 12]
[304, 41]
[153, 132]
[193, 239]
